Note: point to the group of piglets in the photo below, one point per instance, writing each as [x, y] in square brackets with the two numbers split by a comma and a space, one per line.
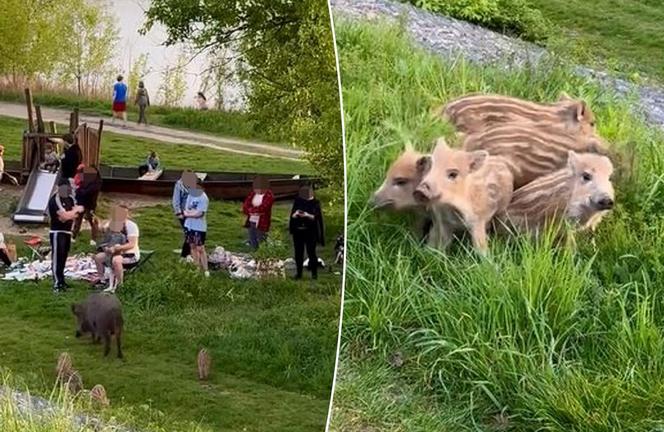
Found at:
[519, 167]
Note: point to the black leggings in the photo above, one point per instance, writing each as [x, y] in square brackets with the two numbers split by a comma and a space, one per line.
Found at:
[305, 240]
[60, 245]
[186, 247]
[4, 258]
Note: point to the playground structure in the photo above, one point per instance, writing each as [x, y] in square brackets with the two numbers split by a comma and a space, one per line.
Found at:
[40, 184]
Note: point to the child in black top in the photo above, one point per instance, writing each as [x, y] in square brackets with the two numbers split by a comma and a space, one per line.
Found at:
[306, 226]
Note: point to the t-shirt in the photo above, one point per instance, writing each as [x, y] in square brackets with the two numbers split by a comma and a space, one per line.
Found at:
[120, 92]
[199, 204]
[56, 204]
[132, 231]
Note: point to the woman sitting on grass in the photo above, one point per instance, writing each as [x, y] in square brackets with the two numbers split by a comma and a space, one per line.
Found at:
[306, 226]
[258, 209]
[196, 225]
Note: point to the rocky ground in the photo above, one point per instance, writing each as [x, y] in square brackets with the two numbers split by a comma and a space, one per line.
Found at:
[452, 38]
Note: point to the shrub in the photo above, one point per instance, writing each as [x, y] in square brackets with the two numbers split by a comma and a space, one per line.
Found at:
[515, 17]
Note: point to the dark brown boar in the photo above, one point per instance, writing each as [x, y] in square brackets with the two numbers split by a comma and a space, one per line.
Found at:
[101, 315]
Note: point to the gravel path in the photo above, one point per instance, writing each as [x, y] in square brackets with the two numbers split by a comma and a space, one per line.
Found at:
[158, 133]
[450, 38]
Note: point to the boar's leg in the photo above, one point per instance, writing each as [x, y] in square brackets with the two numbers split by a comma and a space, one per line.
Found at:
[107, 343]
[118, 337]
[478, 232]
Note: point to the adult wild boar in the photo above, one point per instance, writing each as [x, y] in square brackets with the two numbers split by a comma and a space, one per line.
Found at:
[101, 315]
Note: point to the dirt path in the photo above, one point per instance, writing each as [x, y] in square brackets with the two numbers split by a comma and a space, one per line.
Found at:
[158, 133]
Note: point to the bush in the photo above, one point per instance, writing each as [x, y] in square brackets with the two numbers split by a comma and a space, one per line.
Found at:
[515, 17]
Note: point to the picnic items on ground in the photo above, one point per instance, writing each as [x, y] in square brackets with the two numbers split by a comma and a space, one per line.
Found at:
[244, 266]
[78, 267]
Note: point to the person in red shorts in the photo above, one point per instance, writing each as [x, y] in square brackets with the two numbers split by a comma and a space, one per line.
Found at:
[120, 100]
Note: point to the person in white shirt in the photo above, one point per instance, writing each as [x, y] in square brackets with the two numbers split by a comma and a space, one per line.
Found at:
[195, 223]
[3, 174]
[122, 257]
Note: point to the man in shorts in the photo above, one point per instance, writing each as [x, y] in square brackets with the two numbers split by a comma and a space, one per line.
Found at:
[120, 101]
[195, 223]
[122, 257]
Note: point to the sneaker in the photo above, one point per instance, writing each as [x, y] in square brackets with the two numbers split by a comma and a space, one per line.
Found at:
[93, 243]
[189, 259]
[177, 251]
[207, 273]
[110, 290]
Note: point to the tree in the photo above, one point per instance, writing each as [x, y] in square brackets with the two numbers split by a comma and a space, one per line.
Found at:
[90, 42]
[290, 65]
[138, 71]
[173, 84]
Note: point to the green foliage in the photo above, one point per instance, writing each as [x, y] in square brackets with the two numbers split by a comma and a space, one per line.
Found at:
[516, 17]
[137, 72]
[173, 84]
[289, 63]
[533, 338]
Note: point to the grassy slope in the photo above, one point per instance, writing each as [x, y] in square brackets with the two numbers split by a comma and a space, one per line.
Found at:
[532, 339]
[629, 32]
[272, 343]
[124, 150]
[222, 123]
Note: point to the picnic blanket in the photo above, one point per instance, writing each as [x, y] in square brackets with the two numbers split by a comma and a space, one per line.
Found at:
[78, 267]
[244, 266]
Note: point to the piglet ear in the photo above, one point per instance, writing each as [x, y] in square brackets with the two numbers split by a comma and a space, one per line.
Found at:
[583, 113]
[441, 143]
[408, 147]
[564, 97]
[572, 160]
[423, 164]
[477, 159]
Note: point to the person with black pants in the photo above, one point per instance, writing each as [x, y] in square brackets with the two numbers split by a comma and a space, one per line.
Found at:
[306, 226]
[87, 195]
[62, 211]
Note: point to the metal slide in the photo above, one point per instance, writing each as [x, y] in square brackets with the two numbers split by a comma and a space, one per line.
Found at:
[33, 206]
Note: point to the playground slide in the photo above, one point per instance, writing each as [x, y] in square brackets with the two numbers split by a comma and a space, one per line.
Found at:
[33, 206]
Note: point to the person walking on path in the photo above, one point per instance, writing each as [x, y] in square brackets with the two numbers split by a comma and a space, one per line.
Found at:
[3, 174]
[195, 222]
[179, 202]
[307, 229]
[87, 196]
[258, 209]
[143, 102]
[62, 210]
[120, 101]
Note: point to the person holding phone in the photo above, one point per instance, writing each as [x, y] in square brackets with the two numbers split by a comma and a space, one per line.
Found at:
[306, 227]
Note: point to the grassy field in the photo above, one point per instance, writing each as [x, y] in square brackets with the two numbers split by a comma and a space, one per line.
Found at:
[222, 123]
[533, 338]
[273, 343]
[123, 150]
[627, 34]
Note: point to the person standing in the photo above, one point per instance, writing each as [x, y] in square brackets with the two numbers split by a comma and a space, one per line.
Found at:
[87, 196]
[195, 222]
[179, 202]
[306, 227]
[201, 101]
[120, 101]
[71, 159]
[62, 210]
[143, 102]
[4, 252]
[258, 209]
[3, 174]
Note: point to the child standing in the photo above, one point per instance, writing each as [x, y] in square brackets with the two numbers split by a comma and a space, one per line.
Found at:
[196, 225]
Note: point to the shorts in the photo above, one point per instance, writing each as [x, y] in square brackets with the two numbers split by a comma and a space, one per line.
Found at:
[196, 238]
[129, 261]
[119, 106]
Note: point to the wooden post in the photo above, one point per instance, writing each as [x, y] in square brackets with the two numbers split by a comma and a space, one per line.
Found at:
[40, 120]
[73, 121]
[28, 102]
[52, 128]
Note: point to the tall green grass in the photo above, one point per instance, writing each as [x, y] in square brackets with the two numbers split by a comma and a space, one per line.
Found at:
[534, 338]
